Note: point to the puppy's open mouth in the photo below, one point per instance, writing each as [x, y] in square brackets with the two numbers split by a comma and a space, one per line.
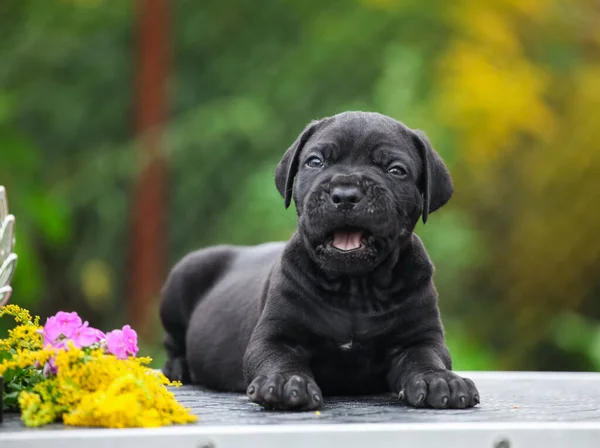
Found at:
[348, 239]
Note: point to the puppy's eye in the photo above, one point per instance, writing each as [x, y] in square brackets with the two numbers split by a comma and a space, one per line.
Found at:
[397, 170]
[314, 162]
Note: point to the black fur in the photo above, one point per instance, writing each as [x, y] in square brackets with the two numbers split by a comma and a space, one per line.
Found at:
[289, 322]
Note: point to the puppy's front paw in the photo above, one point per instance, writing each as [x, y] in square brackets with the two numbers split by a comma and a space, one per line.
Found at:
[440, 390]
[285, 392]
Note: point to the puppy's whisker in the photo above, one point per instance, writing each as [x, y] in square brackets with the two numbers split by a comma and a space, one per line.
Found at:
[407, 202]
[398, 207]
[403, 215]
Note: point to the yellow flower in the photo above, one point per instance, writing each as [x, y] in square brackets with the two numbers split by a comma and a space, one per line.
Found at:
[96, 389]
[24, 358]
[120, 393]
[26, 336]
[20, 315]
[23, 336]
[36, 412]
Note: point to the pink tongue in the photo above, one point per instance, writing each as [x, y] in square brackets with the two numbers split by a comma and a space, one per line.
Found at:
[346, 240]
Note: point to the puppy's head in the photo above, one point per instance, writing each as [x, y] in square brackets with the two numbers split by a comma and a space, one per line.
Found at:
[360, 182]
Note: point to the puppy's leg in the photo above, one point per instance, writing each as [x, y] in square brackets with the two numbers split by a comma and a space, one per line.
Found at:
[186, 284]
[278, 373]
[175, 325]
[421, 368]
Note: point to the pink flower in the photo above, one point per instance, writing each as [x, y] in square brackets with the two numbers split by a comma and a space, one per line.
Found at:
[85, 336]
[50, 368]
[122, 343]
[65, 327]
[100, 335]
[60, 328]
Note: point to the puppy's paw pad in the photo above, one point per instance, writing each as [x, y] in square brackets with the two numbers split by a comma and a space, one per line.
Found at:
[440, 390]
[285, 392]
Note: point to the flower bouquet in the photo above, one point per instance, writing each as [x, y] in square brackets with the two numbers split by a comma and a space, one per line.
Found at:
[68, 371]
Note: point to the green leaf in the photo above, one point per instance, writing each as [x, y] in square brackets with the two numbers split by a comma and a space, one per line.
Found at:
[8, 376]
[10, 400]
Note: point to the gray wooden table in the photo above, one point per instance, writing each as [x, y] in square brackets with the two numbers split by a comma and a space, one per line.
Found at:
[530, 410]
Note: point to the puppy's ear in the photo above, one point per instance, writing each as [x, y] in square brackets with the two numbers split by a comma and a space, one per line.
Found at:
[288, 166]
[436, 183]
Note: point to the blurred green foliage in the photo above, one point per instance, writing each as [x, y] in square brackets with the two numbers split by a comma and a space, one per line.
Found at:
[506, 90]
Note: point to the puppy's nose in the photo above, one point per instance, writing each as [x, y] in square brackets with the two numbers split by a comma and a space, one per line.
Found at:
[345, 197]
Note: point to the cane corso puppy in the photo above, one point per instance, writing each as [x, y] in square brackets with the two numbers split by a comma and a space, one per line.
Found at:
[347, 306]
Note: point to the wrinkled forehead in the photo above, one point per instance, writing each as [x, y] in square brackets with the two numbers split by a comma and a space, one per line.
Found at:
[366, 135]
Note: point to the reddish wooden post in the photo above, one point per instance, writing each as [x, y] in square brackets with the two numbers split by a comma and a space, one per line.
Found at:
[147, 249]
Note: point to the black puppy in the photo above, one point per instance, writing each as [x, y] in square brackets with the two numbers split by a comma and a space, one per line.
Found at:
[348, 305]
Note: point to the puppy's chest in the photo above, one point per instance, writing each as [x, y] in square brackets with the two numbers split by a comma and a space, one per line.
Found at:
[356, 319]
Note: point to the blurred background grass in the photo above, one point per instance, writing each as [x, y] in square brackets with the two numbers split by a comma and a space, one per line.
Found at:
[132, 132]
